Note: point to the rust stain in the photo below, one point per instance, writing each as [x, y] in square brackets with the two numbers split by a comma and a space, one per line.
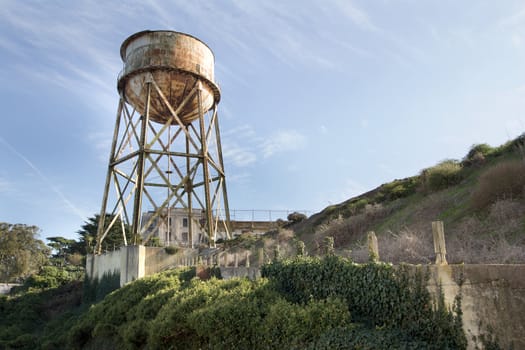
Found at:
[177, 62]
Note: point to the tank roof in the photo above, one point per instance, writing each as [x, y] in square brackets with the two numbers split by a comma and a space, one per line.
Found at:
[144, 32]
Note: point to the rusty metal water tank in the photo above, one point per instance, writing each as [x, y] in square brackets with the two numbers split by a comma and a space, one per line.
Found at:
[176, 62]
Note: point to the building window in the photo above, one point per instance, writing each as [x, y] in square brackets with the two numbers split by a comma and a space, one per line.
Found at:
[184, 222]
[184, 236]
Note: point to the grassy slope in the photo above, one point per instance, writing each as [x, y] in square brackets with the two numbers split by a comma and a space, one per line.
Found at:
[405, 206]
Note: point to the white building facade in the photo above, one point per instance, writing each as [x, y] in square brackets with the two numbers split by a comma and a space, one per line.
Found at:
[173, 228]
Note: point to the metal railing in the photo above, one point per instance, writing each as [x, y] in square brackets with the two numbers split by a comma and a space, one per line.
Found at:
[259, 214]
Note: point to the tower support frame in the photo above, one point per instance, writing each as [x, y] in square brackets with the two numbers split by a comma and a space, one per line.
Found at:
[155, 166]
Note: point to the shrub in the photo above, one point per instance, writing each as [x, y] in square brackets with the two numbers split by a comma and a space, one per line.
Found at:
[480, 148]
[445, 174]
[491, 240]
[378, 295]
[171, 250]
[294, 326]
[305, 303]
[478, 153]
[107, 320]
[353, 228]
[353, 207]
[397, 189]
[50, 277]
[153, 242]
[506, 180]
[296, 217]
[407, 246]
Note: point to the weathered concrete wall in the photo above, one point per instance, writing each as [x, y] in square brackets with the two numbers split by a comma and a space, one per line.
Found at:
[6, 287]
[132, 263]
[128, 262]
[493, 300]
[98, 265]
[231, 272]
[157, 259]
[493, 296]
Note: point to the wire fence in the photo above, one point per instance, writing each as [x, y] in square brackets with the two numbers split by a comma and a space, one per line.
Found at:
[259, 214]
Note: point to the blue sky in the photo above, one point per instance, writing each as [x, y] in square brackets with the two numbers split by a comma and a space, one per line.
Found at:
[321, 100]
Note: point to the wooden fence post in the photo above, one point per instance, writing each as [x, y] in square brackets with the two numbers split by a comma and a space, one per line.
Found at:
[277, 252]
[260, 257]
[329, 245]
[373, 249]
[301, 249]
[438, 233]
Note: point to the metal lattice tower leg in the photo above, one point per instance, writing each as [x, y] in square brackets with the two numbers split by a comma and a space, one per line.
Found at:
[155, 166]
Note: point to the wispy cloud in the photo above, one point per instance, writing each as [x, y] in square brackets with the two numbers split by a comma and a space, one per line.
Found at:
[516, 40]
[283, 141]
[42, 177]
[243, 131]
[5, 185]
[101, 142]
[242, 145]
[238, 177]
[356, 15]
[237, 155]
[74, 52]
[517, 17]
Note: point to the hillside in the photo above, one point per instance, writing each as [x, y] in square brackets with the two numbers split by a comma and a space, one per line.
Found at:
[481, 200]
[304, 302]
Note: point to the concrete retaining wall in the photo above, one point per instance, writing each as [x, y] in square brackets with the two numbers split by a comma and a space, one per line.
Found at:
[5, 288]
[493, 300]
[231, 272]
[128, 262]
[158, 260]
[105, 264]
[132, 262]
[493, 296]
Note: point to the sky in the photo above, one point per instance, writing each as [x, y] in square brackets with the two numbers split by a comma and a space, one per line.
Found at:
[320, 100]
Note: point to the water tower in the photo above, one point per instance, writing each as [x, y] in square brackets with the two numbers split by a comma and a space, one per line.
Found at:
[166, 150]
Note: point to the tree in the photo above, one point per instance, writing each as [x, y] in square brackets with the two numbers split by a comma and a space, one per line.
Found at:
[114, 239]
[21, 252]
[67, 251]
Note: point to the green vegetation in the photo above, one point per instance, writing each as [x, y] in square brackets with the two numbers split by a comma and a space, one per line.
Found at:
[296, 217]
[445, 174]
[34, 317]
[377, 295]
[113, 240]
[171, 250]
[304, 303]
[21, 252]
[38, 312]
[505, 180]
[95, 290]
[481, 200]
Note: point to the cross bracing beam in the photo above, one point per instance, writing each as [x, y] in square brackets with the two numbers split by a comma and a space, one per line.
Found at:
[167, 165]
